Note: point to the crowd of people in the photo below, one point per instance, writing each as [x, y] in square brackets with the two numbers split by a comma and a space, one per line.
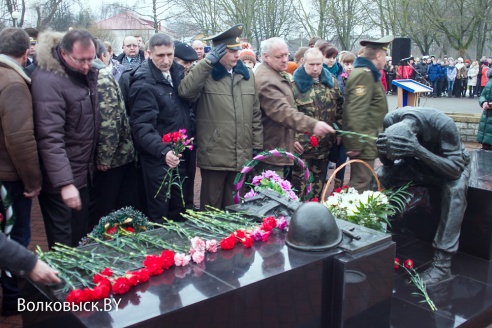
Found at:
[448, 77]
[83, 129]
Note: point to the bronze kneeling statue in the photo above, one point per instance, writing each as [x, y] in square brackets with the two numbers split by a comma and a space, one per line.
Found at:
[423, 145]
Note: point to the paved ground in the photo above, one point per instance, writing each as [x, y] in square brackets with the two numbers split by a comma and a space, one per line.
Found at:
[463, 105]
[447, 105]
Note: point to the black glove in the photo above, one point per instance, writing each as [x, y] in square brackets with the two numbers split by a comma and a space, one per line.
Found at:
[216, 53]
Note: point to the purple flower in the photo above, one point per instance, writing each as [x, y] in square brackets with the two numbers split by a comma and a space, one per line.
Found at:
[256, 234]
[292, 195]
[281, 223]
[269, 174]
[285, 185]
[250, 194]
[256, 180]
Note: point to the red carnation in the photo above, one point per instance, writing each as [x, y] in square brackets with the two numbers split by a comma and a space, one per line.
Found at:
[75, 296]
[228, 243]
[268, 224]
[166, 138]
[89, 295]
[247, 242]
[240, 234]
[154, 265]
[167, 259]
[314, 199]
[102, 290]
[133, 279]
[396, 263]
[107, 272]
[121, 285]
[130, 229]
[314, 141]
[143, 275]
[408, 263]
[111, 230]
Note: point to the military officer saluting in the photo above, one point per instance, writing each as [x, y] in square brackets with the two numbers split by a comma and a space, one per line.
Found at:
[228, 117]
[364, 108]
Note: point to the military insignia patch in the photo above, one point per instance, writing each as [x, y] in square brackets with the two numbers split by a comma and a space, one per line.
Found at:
[360, 90]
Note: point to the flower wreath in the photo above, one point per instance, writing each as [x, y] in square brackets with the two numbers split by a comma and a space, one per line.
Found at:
[278, 152]
[126, 218]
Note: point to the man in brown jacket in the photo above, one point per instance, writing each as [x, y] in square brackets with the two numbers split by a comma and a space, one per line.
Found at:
[280, 116]
[19, 166]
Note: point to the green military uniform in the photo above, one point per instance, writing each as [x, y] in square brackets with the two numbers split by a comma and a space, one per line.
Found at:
[364, 110]
[115, 145]
[321, 100]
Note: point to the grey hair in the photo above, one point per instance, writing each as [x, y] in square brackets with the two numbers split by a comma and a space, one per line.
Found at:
[313, 52]
[160, 39]
[267, 45]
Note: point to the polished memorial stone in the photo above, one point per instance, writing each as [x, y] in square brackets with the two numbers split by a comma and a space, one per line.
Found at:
[269, 284]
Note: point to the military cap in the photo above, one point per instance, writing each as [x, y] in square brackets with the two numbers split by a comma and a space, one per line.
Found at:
[230, 37]
[378, 44]
[184, 51]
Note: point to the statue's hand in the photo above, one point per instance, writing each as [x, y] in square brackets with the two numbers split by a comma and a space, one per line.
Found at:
[398, 146]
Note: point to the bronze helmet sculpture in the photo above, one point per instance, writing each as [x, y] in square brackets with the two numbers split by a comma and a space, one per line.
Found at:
[313, 228]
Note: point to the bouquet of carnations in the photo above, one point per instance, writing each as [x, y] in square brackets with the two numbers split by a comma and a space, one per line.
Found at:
[179, 142]
[271, 180]
[370, 209]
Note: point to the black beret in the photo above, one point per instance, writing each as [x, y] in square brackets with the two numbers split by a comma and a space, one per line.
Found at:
[184, 51]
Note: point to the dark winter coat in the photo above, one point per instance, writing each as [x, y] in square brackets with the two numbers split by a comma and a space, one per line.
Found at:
[16, 258]
[434, 71]
[66, 117]
[484, 134]
[157, 109]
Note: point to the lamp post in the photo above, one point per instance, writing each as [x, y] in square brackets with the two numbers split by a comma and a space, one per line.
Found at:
[15, 16]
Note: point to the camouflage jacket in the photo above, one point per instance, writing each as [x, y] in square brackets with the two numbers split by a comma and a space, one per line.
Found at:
[321, 100]
[115, 145]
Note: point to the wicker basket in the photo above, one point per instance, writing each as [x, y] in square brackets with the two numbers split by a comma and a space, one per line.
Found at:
[241, 176]
[332, 176]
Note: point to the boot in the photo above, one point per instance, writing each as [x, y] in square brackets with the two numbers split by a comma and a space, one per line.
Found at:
[440, 269]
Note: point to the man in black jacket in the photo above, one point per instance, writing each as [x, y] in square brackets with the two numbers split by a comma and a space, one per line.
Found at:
[157, 109]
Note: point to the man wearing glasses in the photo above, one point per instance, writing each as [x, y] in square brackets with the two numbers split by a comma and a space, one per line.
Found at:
[66, 120]
[132, 56]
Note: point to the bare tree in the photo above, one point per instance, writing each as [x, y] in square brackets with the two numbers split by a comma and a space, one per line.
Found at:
[337, 20]
[45, 12]
[204, 13]
[274, 18]
[458, 20]
[240, 11]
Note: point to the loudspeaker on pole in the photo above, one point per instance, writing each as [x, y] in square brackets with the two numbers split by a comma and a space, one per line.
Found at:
[400, 49]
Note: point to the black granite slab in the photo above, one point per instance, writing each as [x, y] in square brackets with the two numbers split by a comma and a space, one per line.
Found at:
[267, 285]
[476, 230]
